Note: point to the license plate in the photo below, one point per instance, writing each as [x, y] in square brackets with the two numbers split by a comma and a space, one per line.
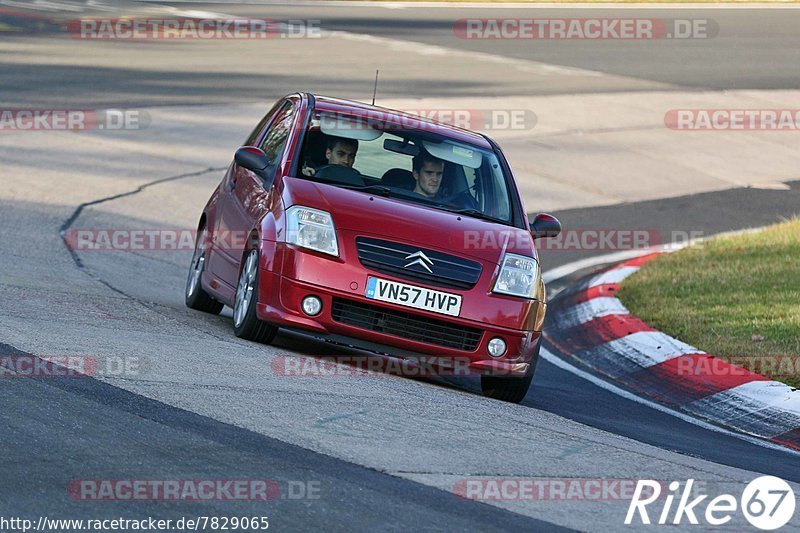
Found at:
[411, 296]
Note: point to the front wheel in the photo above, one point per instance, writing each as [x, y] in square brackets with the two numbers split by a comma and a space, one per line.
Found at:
[506, 389]
[510, 389]
[246, 324]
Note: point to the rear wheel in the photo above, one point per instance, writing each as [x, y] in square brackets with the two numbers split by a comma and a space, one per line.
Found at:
[246, 324]
[195, 296]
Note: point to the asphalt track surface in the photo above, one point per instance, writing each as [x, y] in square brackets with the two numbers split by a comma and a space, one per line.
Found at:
[747, 51]
[102, 425]
[753, 49]
[380, 449]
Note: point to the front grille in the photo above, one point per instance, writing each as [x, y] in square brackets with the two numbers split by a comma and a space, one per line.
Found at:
[392, 257]
[405, 325]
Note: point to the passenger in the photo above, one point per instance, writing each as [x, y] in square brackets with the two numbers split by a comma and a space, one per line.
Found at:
[427, 171]
[340, 151]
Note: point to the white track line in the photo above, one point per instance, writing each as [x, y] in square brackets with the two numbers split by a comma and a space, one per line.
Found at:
[550, 357]
[424, 49]
[778, 4]
[565, 270]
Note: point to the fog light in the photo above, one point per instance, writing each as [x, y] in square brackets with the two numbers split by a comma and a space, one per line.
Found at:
[313, 305]
[497, 347]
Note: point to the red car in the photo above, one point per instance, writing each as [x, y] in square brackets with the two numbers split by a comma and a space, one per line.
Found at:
[380, 230]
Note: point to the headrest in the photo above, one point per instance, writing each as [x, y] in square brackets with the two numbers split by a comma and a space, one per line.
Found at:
[400, 178]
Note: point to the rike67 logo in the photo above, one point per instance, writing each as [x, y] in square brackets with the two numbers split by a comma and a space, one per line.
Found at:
[767, 503]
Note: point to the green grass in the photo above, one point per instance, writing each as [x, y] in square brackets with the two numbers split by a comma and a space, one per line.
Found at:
[732, 297]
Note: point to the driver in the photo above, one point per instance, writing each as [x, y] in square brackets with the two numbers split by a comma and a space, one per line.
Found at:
[340, 151]
[427, 171]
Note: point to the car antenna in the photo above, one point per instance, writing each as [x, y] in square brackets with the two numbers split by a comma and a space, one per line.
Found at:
[375, 90]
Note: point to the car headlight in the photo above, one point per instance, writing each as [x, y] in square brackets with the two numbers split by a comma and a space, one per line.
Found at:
[519, 276]
[312, 229]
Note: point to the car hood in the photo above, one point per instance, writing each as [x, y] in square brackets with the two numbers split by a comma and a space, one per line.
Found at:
[396, 219]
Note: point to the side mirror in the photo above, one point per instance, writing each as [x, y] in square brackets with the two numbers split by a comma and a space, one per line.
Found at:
[545, 225]
[253, 159]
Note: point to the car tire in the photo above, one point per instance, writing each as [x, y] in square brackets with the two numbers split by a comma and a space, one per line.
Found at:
[510, 389]
[246, 324]
[195, 296]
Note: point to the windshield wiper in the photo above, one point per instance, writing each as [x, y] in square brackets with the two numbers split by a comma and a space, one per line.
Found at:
[381, 190]
[470, 212]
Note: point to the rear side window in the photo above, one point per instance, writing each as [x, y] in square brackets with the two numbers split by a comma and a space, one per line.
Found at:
[275, 140]
[252, 139]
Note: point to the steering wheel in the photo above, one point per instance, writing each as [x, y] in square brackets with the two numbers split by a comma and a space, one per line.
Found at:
[462, 200]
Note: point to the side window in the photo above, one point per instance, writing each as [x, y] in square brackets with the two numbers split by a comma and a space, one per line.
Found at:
[497, 195]
[275, 140]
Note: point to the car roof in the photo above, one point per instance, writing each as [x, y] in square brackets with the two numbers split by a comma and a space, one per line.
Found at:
[360, 109]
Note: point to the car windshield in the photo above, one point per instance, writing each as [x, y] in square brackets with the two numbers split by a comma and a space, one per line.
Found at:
[413, 165]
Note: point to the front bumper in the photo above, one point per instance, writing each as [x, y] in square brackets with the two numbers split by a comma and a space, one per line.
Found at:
[280, 297]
